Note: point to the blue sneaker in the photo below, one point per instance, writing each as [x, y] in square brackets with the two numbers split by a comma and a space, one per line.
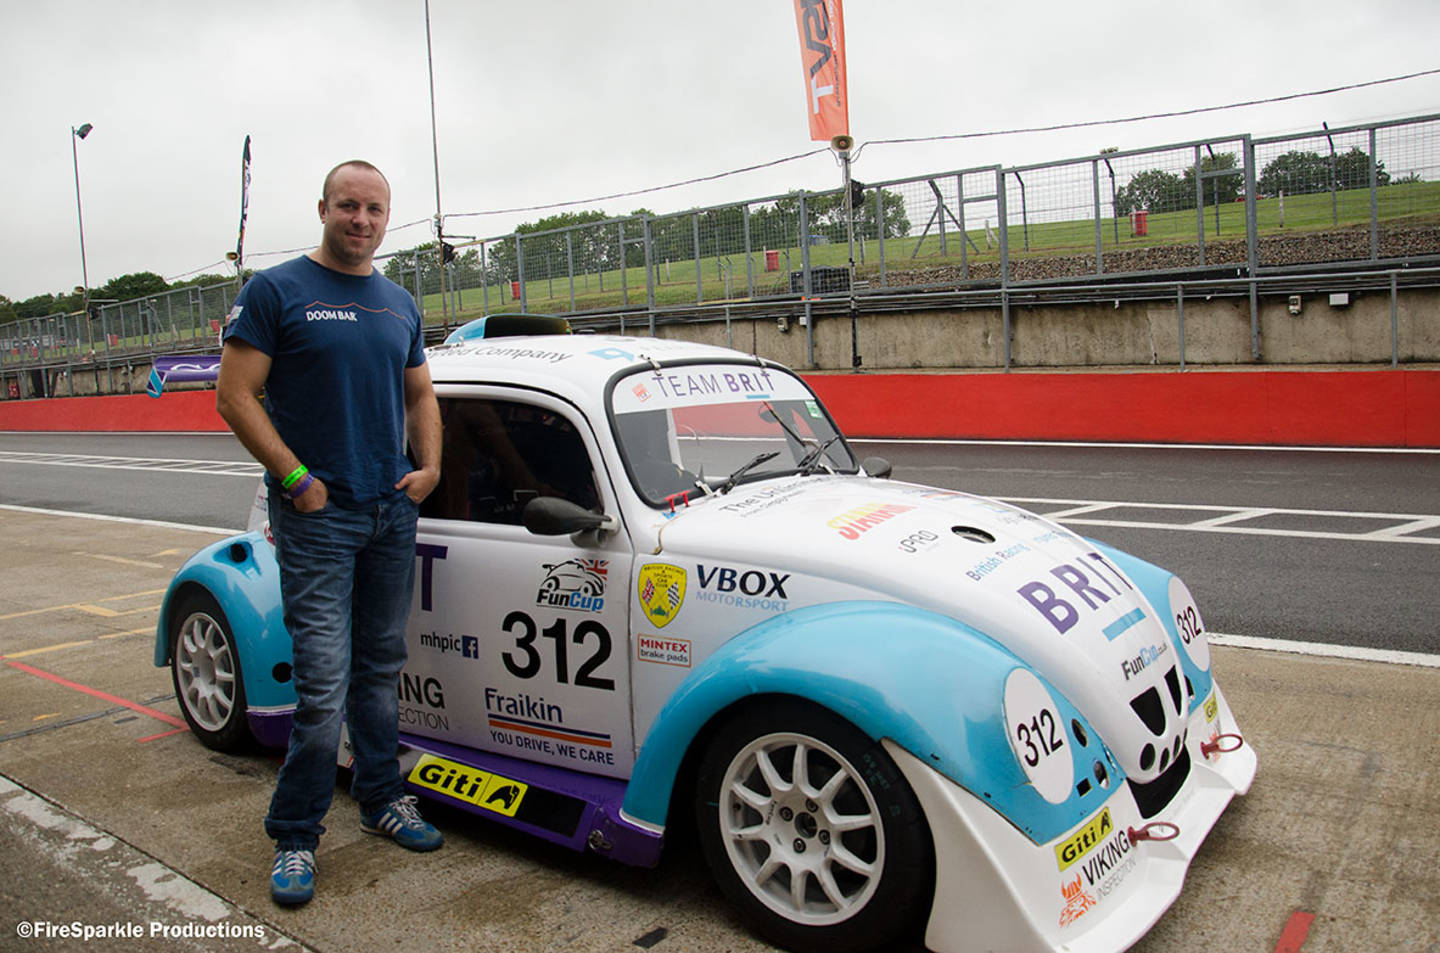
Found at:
[292, 879]
[400, 821]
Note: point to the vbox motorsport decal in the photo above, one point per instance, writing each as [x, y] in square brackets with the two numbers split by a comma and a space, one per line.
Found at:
[742, 588]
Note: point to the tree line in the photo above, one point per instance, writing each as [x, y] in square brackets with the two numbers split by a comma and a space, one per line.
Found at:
[141, 284]
[593, 242]
[1294, 173]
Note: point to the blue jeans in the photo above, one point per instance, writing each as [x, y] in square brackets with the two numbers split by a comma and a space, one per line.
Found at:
[346, 578]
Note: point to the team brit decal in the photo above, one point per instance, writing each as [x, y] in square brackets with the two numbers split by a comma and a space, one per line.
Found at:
[661, 588]
[574, 584]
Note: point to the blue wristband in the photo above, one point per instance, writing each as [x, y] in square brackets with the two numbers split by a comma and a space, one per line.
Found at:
[296, 491]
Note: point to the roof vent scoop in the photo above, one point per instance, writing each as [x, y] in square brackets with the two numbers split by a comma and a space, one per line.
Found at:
[508, 325]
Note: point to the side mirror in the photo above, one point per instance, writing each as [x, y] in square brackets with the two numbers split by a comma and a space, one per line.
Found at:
[877, 467]
[552, 516]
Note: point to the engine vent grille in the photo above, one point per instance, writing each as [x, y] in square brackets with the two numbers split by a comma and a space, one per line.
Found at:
[1152, 796]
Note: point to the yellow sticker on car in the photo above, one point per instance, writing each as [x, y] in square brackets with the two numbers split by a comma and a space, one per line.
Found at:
[1084, 840]
[483, 789]
[661, 588]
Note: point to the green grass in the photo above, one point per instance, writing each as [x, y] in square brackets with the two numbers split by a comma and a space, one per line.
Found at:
[1411, 202]
[1417, 202]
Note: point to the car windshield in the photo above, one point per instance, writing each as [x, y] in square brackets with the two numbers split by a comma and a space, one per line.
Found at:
[706, 428]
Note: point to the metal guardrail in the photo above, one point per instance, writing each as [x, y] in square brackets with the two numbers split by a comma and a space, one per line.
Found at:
[1229, 209]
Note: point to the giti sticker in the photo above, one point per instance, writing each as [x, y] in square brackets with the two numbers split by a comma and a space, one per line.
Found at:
[1084, 840]
[471, 785]
[1212, 708]
[661, 588]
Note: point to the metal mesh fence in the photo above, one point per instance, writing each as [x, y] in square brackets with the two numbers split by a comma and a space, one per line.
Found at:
[1366, 194]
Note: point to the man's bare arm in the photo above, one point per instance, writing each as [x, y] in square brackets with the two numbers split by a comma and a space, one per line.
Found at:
[422, 427]
[243, 370]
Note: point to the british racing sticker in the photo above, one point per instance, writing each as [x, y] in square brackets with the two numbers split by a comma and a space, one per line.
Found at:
[661, 588]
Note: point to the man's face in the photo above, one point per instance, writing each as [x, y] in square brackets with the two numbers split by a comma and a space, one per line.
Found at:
[355, 215]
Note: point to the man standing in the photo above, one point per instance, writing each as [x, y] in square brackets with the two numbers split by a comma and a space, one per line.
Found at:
[337, 348]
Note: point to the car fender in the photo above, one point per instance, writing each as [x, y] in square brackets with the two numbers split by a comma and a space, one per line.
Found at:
[937, 691]
[243, 577]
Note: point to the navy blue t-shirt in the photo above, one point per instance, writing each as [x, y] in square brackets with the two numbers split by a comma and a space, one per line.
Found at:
[339, 345]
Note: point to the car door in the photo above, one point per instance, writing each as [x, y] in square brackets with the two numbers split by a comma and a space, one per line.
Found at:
[517, 642]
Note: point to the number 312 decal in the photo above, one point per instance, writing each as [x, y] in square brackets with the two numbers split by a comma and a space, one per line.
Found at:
[526, 660]
[1037, 735]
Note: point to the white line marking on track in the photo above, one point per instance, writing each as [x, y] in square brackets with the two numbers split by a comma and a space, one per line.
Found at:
[217, 530]
[246, 468]
[1268, 448]
[1406, 524]
[1325, 650]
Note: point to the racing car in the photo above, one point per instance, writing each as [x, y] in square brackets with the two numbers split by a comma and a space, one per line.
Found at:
[655, 587]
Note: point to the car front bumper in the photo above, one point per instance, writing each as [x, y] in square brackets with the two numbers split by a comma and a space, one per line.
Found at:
[995, 889]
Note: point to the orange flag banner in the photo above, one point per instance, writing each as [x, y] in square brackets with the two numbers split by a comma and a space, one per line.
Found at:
[822, 52]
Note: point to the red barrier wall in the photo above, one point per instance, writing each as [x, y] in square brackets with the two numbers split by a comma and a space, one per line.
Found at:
[1355, 408]
[1379, 408]
[178, 411]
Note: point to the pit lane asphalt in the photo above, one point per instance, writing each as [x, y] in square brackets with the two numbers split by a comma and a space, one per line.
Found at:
[111, 814]
[1351, 589]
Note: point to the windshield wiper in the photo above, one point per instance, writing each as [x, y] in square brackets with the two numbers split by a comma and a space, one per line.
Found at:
[814, 459]
[755, 461]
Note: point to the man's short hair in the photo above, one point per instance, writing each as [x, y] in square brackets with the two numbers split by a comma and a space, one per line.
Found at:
[357, 163]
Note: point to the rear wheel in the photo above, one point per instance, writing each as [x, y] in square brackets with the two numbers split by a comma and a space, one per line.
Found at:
[205, 667]
[812, 832]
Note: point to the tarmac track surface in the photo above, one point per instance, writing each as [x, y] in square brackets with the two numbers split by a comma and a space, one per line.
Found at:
[110, 814]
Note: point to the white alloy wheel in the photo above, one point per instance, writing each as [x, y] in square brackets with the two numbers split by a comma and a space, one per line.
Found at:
[801, 828]
[810, 829]
[205, 668]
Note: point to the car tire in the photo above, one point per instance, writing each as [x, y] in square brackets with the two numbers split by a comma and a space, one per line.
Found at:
[836, 860]
[205, 669]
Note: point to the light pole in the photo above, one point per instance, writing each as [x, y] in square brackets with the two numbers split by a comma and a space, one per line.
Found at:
[81, 133]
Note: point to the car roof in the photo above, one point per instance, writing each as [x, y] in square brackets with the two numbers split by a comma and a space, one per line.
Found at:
[574, 366]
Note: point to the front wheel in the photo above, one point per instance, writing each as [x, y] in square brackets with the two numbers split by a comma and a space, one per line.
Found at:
[812, 832]
[205, 667]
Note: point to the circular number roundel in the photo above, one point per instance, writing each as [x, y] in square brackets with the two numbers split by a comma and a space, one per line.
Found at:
[1189, 624]
[1037, 735]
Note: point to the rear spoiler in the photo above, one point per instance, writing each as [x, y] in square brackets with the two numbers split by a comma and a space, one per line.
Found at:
[188, 368]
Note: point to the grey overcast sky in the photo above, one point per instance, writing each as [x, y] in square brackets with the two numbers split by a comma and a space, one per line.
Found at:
[555, 100]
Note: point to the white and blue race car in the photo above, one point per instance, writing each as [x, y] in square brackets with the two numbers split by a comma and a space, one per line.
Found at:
[655, 587]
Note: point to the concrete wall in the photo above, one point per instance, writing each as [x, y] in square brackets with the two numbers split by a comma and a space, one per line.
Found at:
[1124, 334]
[1081, 372]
